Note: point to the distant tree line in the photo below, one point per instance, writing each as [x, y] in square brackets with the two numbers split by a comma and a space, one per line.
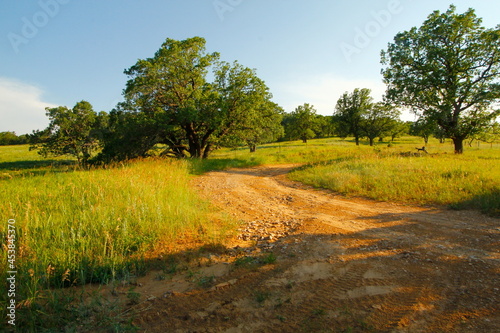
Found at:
[11, 138]
[189, 102]
[370, 120]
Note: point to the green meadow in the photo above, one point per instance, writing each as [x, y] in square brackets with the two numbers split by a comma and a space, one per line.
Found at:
[75, 227]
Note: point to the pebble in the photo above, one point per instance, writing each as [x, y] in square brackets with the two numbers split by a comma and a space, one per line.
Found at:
[268, 230]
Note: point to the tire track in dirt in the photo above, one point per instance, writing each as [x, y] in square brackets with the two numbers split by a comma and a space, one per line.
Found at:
[345, 265]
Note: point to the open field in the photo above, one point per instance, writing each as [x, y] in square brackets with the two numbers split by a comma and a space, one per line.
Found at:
[76, 227]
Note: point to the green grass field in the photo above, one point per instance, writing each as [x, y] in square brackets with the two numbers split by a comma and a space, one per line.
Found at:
[75, 227]
[97, 226]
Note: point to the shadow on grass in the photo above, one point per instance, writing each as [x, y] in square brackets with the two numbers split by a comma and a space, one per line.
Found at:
[487, 203]
[9, 170]
[199, 167]
[34, 164]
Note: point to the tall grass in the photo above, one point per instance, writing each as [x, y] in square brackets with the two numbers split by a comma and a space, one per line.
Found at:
[459, 181]
[79, 227]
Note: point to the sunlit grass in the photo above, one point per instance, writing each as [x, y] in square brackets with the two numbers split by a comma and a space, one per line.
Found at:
[79, 226]
[100, 218]
[393, 172]
[96, 226]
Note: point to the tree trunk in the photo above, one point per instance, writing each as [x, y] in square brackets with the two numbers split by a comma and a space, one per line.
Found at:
[207, 150]
[459, 145]
[371, 141]
[197, 145]
[195, 148]
[253, 148]
[356, 138]
[194, 151]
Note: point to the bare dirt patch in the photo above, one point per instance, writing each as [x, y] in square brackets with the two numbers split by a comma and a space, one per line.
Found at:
[307, 260]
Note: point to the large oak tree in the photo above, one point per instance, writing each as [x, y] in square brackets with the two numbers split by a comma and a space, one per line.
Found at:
[182, 109]
[446, 71]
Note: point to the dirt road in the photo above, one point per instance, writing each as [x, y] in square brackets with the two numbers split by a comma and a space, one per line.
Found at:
[306, 260]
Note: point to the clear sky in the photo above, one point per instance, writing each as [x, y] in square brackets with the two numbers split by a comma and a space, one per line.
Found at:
[59, 52]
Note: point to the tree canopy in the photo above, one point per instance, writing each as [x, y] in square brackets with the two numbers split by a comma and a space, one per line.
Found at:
[350, 110]
[171, 100]
[70, 132]
[303, 123]
[378, 120]
[447, 71]
[11, 138]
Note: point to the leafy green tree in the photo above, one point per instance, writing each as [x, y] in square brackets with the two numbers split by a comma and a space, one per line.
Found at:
[397, 129]
[424, 128]
[325, 126]
[245, 109]
[170, 89]
[447, 71]
[180, 108]
[11, 138]
[262, 129]
[303, 122]
[490, 134]
[350, 111]
[379, 119]
[70, 132]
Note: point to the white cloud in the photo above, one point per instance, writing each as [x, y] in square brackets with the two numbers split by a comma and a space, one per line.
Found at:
[22, 109]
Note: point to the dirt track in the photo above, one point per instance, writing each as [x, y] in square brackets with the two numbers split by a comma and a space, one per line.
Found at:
[338, 265]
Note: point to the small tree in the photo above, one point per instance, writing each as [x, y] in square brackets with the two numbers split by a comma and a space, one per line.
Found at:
[424, 128]
[378, 120]
[490, 135]
[450, 69]
[266, 128]
[11, 138]
[398, 128]
[349, 112]
[244, 107]
[303, 122]
[70, 132]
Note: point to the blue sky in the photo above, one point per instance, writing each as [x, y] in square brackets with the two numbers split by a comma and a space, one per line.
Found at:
[58, 52]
